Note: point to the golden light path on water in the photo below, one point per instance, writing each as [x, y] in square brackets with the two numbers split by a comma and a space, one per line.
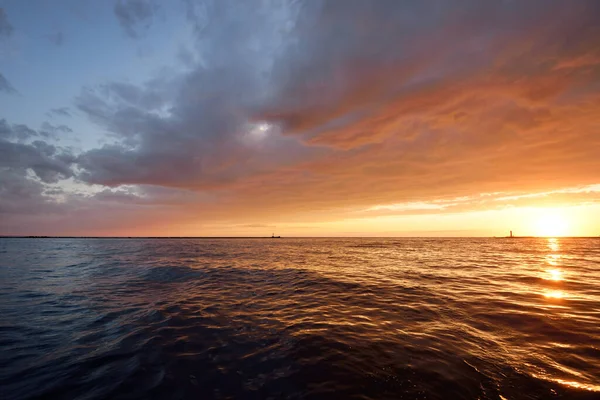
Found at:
[556, 304]
[572, 384]
[557, 275]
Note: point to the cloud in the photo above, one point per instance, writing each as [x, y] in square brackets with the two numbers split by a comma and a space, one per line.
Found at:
[6, 29]
[358, 95]
[189, 132]
[318, 109]
[27, 167]
[56, 38]
[5, 85]
[60, 111]
[16, 132]
[22, 133]
[196, 14]
[153, 196]
[18, 194]
[361, 86]
[54, 131]
[490, 201]
[46, 161]
[133, 13]
[257, 226]
[48, 127]
[21, 151]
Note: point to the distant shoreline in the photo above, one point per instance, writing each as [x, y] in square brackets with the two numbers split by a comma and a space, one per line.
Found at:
[295, 237]
[138, 237]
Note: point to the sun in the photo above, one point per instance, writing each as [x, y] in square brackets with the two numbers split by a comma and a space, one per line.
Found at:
[551, 223]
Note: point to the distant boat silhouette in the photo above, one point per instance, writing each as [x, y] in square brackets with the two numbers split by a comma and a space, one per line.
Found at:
[516, 237]
[275, 237]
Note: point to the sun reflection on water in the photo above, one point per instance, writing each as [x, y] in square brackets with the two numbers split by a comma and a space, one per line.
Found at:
[569, 383]
[555, 274]
[553, 244]
[553, 259]
[578, 385]
[554, 294]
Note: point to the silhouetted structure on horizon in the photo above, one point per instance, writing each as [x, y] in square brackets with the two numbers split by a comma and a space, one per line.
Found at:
[517, 237]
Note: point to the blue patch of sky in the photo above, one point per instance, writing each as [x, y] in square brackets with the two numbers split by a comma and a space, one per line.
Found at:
[95, 50]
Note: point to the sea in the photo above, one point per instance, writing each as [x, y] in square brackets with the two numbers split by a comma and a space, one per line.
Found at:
[300, 318]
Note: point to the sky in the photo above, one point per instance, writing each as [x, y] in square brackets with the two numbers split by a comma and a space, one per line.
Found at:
[299, 118]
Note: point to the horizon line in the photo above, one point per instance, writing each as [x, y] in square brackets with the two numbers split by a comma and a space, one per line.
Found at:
[282, 237]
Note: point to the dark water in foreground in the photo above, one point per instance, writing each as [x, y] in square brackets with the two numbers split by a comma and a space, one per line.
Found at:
[300, 318]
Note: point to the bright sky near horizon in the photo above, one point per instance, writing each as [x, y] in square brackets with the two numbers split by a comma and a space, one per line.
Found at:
[300, 118]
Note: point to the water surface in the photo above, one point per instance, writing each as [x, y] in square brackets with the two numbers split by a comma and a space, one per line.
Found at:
[300, 318]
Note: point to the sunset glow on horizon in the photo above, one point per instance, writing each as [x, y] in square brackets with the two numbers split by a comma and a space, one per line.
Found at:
[317, 118]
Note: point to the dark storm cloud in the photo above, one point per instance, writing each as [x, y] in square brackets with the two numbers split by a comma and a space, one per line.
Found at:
[6, 29]
[134, 14]
[5, 85]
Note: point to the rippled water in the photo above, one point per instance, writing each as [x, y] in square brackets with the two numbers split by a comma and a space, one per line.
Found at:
[300, 318]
